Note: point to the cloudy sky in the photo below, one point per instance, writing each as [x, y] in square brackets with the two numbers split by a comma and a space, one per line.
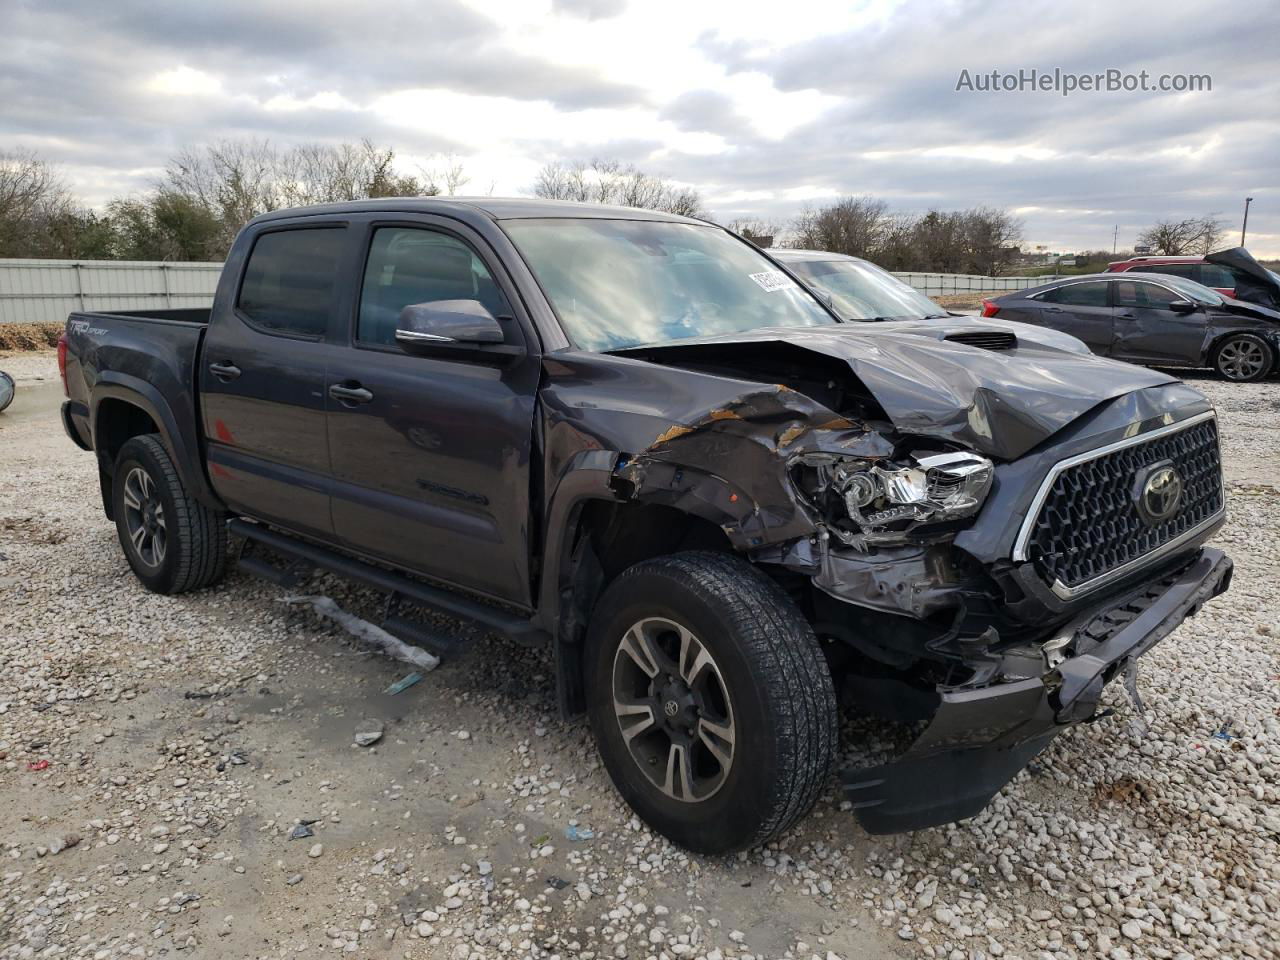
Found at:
[763, 106]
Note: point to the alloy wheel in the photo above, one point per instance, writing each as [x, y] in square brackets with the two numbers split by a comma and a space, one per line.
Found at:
[1241, 359]
[144, 517]
[673, 709]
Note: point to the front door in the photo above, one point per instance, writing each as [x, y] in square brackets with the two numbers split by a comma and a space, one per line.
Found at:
[262, 379]
[431, 455]
[1147, 331]
[1080, 309]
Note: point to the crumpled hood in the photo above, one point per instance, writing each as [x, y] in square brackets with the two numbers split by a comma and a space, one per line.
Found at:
[1243, 260]
[1001, 403]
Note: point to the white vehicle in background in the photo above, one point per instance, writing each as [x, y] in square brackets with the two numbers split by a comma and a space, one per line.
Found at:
[856, 289]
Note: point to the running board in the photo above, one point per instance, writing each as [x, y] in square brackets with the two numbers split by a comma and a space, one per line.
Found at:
[479, 617]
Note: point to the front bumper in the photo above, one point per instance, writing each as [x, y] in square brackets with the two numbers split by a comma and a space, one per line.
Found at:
[980, 738]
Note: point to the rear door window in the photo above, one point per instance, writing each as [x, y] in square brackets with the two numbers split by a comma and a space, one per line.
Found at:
[1187, 270]
[289, 281]
[410, 265]
[1091, 294]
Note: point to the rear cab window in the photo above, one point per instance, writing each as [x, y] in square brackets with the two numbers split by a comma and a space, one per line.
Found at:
[289, 279]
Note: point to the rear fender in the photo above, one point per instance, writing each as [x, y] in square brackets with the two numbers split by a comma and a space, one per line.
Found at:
[183, 445]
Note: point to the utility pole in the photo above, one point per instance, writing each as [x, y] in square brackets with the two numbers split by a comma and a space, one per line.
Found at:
[1245, 225]
[1115, 238]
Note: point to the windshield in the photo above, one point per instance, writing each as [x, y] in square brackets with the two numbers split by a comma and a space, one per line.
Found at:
[1195, 292]
[862, 291]
[622, 283]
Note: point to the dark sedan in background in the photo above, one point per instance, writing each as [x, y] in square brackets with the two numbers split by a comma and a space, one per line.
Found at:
[1156, 320]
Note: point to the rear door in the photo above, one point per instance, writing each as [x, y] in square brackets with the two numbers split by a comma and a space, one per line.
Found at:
[431, 463]
[1147, 331]
[262, 376]
[1081, 309]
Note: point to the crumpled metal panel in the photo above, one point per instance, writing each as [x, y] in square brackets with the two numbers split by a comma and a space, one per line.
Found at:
[998, 403]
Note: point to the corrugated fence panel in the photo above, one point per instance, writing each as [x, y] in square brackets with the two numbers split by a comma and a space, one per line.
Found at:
[942, 284]
[45, 291]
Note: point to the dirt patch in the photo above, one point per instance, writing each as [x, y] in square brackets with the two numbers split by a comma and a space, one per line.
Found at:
[29, 336]
[1125, 791]
[965, 301]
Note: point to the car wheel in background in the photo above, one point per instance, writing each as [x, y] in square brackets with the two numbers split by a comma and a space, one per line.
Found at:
[1243, 357]
[173, 542]
[710, 700]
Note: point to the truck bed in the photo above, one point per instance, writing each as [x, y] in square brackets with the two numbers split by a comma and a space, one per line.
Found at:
[146, 358]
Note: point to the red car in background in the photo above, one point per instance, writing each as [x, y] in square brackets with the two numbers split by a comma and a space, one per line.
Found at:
[1233, 273]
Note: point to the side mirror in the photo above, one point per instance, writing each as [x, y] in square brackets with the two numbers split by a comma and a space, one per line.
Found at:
[1182, 306]
[447, 321]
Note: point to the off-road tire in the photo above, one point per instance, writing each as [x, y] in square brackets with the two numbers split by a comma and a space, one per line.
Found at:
[1249, 340]
[774, 672]
[195, 553]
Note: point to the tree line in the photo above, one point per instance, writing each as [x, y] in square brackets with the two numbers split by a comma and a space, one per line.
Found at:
[200, 202]
[206, 194]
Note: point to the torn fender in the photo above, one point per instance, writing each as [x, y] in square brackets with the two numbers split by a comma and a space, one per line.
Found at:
[713, 446]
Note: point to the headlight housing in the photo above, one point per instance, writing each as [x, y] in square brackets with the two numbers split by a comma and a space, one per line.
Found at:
[887, 500]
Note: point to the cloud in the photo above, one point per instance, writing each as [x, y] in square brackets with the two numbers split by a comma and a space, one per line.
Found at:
[760, 107]
[590, 9]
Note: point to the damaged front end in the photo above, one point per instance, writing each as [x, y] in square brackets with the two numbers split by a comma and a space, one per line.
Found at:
[982, 734]
[893, 526]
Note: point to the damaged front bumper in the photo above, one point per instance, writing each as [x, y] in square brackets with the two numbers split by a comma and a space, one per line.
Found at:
[980, 738]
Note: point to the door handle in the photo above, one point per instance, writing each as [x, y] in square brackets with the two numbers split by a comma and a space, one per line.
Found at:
[1052, 309]
[1125, 316]
[350, 393]
[226, 371]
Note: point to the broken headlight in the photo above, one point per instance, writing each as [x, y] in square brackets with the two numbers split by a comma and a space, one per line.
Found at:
[886, 500]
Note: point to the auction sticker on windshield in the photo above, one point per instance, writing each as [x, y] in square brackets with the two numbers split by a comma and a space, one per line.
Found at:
[773, 280]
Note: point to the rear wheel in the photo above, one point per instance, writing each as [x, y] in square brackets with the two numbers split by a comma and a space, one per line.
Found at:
[710, 700]
[1243, 357]
[173, 542]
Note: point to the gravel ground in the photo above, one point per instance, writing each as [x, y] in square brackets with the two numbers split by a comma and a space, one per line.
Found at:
[157, 755]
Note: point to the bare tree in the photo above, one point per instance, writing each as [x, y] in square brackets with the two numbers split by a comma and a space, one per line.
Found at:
[852, 225]
[1193, 235]
[981, 240]
[763, 233]
[34, 200]
[613, 182]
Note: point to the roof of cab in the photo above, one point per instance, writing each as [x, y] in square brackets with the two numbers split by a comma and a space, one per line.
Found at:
[494, 208]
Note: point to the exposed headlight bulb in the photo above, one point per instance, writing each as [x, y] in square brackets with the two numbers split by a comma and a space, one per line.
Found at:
[927, 488]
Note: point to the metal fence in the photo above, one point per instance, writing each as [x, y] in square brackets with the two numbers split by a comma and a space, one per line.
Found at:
[941, 284]
[45, 291]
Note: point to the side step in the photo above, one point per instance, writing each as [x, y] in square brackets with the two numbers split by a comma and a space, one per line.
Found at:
[480, 618]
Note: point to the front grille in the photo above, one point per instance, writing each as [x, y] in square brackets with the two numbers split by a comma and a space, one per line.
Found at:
[986, 340]
[1089, 523]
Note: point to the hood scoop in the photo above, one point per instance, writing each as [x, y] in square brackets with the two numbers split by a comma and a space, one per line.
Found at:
[986, 339]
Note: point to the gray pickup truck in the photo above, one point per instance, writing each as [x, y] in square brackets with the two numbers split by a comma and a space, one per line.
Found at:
[640, 441]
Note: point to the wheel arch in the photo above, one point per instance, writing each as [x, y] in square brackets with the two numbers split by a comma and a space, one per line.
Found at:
[123, 407]
[1270, 337]
[593, 533]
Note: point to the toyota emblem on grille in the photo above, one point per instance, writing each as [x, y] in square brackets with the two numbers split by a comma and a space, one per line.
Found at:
[1159, 492]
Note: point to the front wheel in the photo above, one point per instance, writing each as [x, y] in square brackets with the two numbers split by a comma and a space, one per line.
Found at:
[710, 700]
[1244, 357]
[173, 542]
